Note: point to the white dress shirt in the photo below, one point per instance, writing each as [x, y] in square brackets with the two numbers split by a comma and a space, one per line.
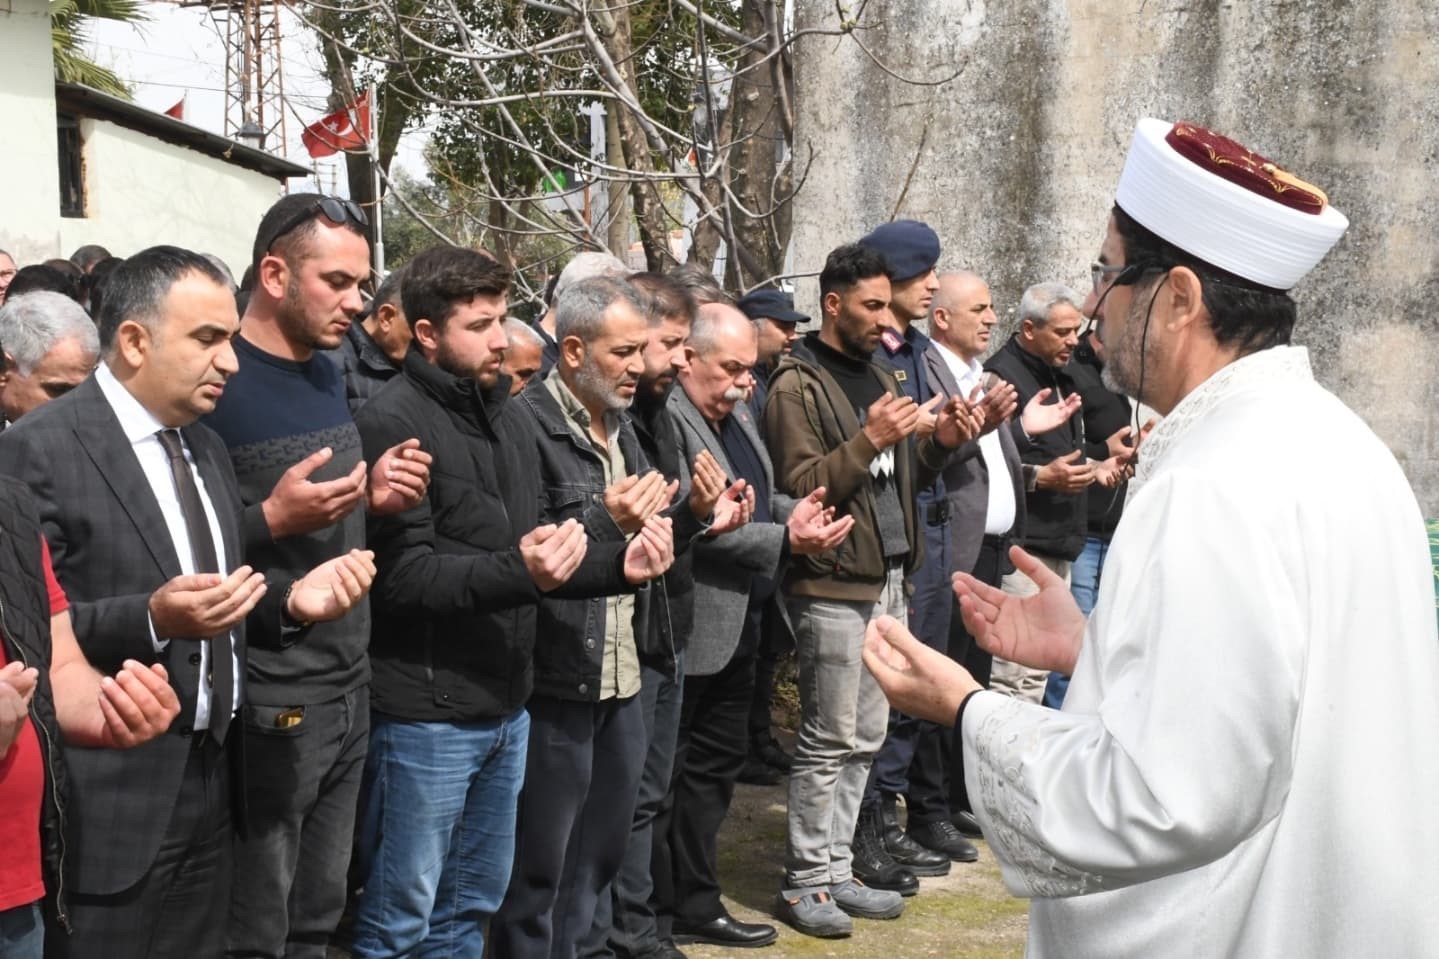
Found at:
[999, 517]
[142, 430]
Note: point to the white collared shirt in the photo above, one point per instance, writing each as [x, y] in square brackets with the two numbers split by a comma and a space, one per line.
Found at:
[1000, 514]
[142, 430]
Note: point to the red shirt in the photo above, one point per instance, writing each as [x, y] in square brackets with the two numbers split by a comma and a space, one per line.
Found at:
[22, 790]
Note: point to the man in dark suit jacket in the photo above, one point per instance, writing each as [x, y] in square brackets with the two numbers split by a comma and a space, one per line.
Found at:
[114, 465]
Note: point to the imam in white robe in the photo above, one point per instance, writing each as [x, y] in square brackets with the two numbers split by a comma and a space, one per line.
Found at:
[1247, 762]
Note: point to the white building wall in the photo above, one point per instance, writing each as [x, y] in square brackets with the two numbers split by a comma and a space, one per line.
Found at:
[29, 160]
[140, 192]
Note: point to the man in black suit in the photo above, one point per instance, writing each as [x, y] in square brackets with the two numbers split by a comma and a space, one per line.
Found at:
[142, 513]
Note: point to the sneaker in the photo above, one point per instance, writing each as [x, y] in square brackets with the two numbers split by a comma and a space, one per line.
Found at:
[857, 899]
[812, 911]
[942, 837]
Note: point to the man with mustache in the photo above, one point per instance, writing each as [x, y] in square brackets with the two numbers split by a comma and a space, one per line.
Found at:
[287, 424]
[736, 590]
[587, 734]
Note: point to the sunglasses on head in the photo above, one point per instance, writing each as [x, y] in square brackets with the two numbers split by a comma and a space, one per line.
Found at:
[335, 209]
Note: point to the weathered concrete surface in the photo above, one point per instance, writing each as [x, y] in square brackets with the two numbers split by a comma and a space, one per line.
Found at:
[1019, 155]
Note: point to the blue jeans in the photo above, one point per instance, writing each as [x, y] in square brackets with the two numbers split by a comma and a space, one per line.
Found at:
[437, 833]
[1084, 587]
[22, 932]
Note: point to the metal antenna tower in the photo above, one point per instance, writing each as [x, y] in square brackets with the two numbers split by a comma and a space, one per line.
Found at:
[254, 71]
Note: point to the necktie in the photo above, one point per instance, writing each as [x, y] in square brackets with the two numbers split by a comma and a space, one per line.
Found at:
[202, 550]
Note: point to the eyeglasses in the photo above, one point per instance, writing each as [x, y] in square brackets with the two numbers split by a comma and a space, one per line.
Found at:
[1124, 275]
[335, 209]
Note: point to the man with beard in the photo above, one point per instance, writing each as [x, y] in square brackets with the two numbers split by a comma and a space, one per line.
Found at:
[307, 710]
[1199, 791]
[461, 577]
[625, 918]
[837, 420]
[587, 733]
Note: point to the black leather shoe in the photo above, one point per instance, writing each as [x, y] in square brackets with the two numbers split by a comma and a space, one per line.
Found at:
[941, 837]
[725, 931]
[918, 859]
[965, 822]
[665, 950]
[755, 772]
[771, 753]
[873, 864]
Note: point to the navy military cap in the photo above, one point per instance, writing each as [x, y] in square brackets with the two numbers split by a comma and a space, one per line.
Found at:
[908, 246]
[775, 305]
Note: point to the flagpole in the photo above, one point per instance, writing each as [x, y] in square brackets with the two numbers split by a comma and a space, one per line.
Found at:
[375, 168]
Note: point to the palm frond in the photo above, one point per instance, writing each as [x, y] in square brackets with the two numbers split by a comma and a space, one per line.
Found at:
[68, 22]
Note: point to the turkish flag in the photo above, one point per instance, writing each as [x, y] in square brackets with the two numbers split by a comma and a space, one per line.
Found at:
[341, 130]
[177, 111]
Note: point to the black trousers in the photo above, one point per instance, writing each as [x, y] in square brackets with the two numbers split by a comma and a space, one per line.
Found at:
[582, 775]
[912, 761]
[776, 642]
[711, 752]
[992, 564]
[179, 907]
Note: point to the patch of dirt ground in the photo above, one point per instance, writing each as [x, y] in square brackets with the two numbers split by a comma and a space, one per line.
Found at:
[965, 915]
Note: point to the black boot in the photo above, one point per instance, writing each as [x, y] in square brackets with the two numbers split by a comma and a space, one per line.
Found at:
[873, 866]
[904, 850]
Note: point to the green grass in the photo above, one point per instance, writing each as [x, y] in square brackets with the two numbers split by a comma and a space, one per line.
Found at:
[965, 915]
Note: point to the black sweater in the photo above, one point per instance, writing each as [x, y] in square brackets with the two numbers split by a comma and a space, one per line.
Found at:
[1055, 524]
[454, 606]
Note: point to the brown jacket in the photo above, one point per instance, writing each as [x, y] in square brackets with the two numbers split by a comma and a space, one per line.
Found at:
[815, 439]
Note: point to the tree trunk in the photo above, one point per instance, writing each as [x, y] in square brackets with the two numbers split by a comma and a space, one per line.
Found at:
[617, 232]
[613, 27]
[759, 160]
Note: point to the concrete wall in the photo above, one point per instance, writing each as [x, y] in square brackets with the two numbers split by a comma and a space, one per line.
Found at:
[29, 162]
[1015, 160]
[140, 191]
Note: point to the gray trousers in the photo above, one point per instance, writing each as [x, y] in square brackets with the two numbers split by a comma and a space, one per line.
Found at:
[843, 716]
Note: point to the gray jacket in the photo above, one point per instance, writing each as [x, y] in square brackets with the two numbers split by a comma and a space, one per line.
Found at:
[724, 566]
[966, 479]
